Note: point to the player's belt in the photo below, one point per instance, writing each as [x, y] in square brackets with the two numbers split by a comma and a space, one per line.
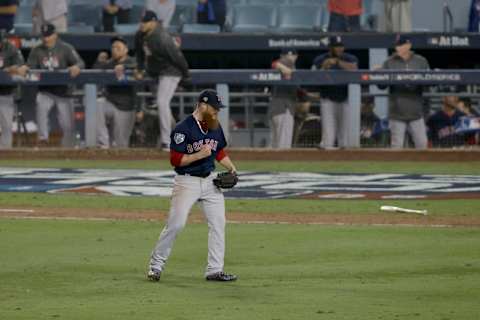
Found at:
[199, 175]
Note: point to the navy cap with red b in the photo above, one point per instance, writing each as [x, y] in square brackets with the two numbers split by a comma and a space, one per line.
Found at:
[211, 98]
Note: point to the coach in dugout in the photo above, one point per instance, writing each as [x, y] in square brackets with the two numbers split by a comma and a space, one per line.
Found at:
[405, 113]
[159, 53]
[54, 54]
[118, 104]
[11, 62]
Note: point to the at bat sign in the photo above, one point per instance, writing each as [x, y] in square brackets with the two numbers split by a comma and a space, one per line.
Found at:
[398, 209]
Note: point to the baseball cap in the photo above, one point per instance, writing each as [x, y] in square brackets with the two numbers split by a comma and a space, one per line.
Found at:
[149, 16]
[401, 39]
[47, 29]
[335, 41]
[211, 97]
[288, 51]
[119, 38]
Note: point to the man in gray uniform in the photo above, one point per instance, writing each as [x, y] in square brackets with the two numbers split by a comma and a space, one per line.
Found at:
[119, 102]
[54, 54]
[406, 101]
[162, 58]
[11, 61]
[282, 105]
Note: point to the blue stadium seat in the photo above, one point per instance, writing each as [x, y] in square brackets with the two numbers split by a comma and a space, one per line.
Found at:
[308, 2]
[136, 13]
[24, 14]
[23, 28]
[183, 14]
[251, 18]
[299, 18]
[80, 28]
[200, 28]
[90, 15]
[186, 2]
[129, 28]
[266, 2]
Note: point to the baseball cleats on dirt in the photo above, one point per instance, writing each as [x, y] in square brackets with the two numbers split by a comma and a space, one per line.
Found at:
[221, 276]
[154, 275]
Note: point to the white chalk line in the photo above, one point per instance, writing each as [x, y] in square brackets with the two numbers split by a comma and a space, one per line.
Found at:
[341, 224]
[17, 210]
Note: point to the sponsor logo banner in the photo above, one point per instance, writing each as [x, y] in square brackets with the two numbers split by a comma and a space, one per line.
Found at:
[252, 185]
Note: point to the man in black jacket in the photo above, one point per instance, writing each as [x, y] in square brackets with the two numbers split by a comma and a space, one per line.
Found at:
[119, 101]
[160, 55]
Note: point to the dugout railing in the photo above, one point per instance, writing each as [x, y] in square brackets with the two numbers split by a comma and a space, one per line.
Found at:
[223, 80]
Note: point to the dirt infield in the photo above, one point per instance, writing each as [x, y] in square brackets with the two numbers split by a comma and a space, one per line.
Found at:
[235, 217]
[251, 154]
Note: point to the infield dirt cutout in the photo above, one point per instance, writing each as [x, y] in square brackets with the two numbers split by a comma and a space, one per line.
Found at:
[394, 219]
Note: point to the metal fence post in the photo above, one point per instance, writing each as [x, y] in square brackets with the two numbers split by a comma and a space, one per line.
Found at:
[90, 103]
[352, 128]
[224, 116]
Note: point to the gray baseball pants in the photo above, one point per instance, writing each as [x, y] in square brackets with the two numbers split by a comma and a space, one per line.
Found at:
[281, 123]
[165, 91]
[415, 128]
[186, 191]
[123, 122]
[7, 109]
[65, 115]
[333, 123]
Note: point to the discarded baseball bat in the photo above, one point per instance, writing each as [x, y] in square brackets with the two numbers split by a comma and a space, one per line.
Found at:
[403, 210]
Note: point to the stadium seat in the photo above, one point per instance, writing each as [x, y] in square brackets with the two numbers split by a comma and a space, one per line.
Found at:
[23, 28]
[136, 13]
[299, 18]
[251, 18]
[85, 14]
[186, 2]
[200, 28]
[266, 2]
[308, 2]
[24, 14]
[80, 28]
[128, 28]
[183, 14]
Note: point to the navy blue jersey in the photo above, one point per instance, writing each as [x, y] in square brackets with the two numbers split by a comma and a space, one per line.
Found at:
[188, 138]
[441, 129]
[334, 93]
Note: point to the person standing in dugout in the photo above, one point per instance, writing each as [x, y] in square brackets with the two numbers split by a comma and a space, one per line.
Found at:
[405, 112]
[118, 105]
[11, 62]
[54, 55]
[334, 99]
[282, 105]
[196, 143]
[159, 54]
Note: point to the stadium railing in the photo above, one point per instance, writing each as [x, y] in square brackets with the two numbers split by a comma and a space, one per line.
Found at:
[224, 79]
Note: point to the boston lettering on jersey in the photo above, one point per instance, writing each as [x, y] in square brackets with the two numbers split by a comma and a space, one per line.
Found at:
[188, 138]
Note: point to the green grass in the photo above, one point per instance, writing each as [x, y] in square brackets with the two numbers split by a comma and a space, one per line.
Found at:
[270, 166]
[458, 208]
[95, 270]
